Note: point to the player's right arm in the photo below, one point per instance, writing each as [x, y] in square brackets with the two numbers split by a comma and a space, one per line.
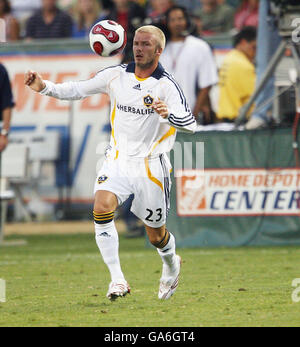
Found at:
[69, 90]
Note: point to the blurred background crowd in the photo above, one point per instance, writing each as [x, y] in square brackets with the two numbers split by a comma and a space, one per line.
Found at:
[58, 19]
[37, 19]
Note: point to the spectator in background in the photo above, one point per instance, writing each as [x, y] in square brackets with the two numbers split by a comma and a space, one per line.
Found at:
[246, 14]
[66, 5]
[107, 5]
[190, 5]
[237, 75]
[49, 22]
[142, 3]
[11, 24]
[85, 14]
[22, 10]
[232, 3]
[198, 25]
[6, 105]
[190, 61]
[156, 14]
[131, 16]
[216, 18]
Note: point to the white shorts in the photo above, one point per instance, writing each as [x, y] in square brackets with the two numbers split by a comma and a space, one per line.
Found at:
[149, 181]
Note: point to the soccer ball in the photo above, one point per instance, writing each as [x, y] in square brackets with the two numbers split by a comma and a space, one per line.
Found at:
[107, 38]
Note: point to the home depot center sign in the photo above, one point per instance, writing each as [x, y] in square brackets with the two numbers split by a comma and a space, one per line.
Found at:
[238, 192]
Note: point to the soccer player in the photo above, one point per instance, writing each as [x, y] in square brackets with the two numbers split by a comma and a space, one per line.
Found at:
[147, 106]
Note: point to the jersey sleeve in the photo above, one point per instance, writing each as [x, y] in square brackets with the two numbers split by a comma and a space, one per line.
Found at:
[180, 115]
[81, 89]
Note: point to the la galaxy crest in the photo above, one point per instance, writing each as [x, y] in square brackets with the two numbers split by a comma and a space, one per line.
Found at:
[148, 100]
[102, 179]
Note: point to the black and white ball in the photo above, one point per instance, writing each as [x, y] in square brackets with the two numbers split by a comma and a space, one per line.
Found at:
[107, 38]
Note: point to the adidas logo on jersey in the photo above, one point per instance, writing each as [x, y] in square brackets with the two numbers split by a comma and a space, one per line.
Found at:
[138, 87]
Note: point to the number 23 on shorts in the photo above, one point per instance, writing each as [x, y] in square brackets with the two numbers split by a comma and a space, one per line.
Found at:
[151, 215]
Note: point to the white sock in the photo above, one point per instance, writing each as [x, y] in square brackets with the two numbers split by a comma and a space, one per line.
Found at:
[167, 254]
[107, 240]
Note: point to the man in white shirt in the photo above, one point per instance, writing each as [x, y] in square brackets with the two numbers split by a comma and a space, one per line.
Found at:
[190, 60]
[147, 106]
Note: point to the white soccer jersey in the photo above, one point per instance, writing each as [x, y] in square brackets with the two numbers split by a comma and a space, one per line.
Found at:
[137, 130]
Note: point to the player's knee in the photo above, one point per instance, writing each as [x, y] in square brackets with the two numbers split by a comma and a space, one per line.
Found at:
[103, 213]
[105, 202]
[103, 207]
[159, 239]
[154, 239]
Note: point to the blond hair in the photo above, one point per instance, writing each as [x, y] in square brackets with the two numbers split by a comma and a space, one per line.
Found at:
[159, 35]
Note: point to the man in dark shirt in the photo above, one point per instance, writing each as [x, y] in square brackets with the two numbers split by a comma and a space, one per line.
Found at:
[49, 22]
[6, 105]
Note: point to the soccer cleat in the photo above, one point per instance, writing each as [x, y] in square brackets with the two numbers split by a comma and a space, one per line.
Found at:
[117, 289]
[167, 287]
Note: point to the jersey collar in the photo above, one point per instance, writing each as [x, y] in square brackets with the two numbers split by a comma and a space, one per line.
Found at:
[157, 73]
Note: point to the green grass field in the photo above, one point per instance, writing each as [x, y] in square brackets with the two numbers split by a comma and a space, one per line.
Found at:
[60, 280]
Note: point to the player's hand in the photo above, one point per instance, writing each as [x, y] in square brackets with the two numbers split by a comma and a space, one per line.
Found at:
[161, 108]
[34, 81]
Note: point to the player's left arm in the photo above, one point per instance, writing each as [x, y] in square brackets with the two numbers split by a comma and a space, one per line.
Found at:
[175, 110]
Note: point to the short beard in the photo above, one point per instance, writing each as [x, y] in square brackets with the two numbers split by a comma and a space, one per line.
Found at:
[146, 65]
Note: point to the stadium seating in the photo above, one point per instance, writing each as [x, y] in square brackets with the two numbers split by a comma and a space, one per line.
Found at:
[14, 163]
